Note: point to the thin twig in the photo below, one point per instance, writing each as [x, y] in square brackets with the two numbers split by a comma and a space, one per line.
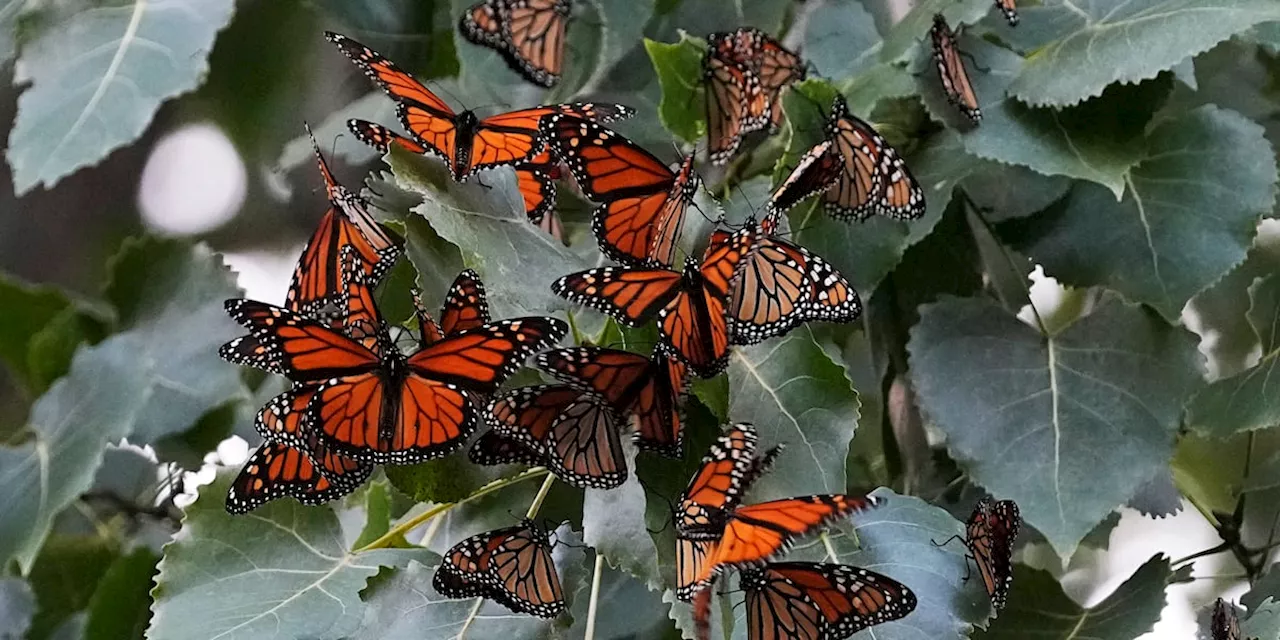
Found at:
[542, 495]
[595, 597]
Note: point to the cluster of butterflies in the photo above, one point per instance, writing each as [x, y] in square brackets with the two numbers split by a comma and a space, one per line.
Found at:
[357, 399]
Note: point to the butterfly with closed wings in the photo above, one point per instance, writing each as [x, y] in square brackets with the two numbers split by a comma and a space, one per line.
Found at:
[528, 33]
[511, 566]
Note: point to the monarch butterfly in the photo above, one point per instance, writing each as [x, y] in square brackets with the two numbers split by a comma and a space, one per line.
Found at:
[574, 433]
[465, 142]
[1225, 623]
[778, 285]
[989, 534]
[1010, 10]
[642, 202]
[713, 532]
[511, 566]
[650, 389]
[689, 305]
[874, 178]
[466, 306]
[746, 71]
[817, 601]
[374, 404]
[535, 179]
[728, 469]
[951, 71]
[528, 33]
[316, 287]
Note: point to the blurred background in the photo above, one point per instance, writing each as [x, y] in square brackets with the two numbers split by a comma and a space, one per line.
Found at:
[217, 165]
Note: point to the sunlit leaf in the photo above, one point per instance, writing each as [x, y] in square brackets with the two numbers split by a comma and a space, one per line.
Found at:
[281, 571]
[1038, 418]
[97, 77]
[913, 29]
[1188, 214]
[1129, 42]
[1038, 606]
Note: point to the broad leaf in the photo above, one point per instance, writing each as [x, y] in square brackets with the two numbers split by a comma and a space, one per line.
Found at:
[281, 571]
[625, 608]
[516, 260]
[1129, 42]
[1103, 396]
[795, 395]
[679, 68]
[1246, 401]
[170, 296]
[17, 605]
[70, 425]
[1187, 217]
[98, 77]
[613, 524]
[1097, 141]
[840, 39]
[701, 17]
[406, 606]
[120, 607]
[1038, 606]
[1221, 310]
[1009, 191]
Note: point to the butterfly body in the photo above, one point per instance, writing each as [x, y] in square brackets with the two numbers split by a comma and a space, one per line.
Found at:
[951, 70]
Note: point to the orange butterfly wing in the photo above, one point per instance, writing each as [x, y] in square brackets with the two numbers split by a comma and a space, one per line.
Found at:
[818, 600]
[466, 306]
[631, 295]
[306, 350]
[480, 359]
[642, 201]
[535, 37]
[275, 470]
[756, 532]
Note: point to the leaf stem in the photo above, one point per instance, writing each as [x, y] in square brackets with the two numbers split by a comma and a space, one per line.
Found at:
[573, 328]
[536, 505]
[471, 617]
[831, 549]
[1200, 554]
[1013, 266]
[595, 597]
[408, 525]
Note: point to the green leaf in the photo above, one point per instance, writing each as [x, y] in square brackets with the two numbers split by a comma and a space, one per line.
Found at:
[1130, 42]
[1187, 217]
[120, 607]
[96, 403]
[17, 606]
[1041, 419]
[1227, 338]
[1097, 141]
[447, 479]
[1038, 606]
[705, 16]
[617, 27]
[793, 393]
[679, 68]
[625, 609]
[64, 578]
[406, 605]
[1245, 401]
[912, 31]
[40, 329]
[98, 77]
[281, 567]
[1009, 191]
[169, 296]
[613, 524]
[840, 39]
[1263, 622]
[516, 260]
[377, 508]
